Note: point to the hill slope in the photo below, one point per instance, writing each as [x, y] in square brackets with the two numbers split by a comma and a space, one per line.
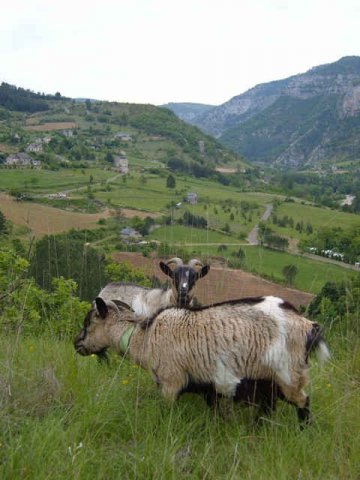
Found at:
[299, 120]
[101, 129]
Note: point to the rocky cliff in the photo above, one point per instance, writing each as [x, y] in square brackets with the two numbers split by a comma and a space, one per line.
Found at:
[303, 119]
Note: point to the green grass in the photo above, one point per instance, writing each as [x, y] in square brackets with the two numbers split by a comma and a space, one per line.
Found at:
[311, 276]
[180, 234]
[317, 216]
[63, 416]
[41, 181]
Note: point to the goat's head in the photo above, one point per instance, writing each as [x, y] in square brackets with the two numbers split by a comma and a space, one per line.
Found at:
[184, 277]
[97, 333]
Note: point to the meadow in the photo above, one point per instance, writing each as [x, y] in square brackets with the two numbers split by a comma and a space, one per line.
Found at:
[48, 181]
[318, 217]
[65, 416]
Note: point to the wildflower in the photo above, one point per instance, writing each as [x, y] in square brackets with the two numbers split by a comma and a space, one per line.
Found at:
[93, 355]
[125, 382]
[328, 385]
[31, 348]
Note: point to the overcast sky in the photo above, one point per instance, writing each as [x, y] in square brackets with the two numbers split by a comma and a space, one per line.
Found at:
[159, 51]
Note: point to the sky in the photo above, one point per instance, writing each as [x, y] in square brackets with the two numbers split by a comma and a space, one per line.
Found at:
[160, 51]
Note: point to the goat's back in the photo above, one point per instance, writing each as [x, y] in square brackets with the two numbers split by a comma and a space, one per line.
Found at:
[125, 292]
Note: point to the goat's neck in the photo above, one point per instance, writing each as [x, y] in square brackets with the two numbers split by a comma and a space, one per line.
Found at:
[136, 342]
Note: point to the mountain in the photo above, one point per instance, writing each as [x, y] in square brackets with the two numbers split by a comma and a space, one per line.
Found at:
[188, 111]
[301, 120]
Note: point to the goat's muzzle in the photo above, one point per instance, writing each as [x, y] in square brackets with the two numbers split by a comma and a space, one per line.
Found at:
[78, 344]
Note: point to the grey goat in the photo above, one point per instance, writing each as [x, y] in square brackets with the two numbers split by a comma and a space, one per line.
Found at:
[147, 301]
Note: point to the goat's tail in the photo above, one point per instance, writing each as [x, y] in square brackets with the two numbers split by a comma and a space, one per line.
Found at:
[316, 343]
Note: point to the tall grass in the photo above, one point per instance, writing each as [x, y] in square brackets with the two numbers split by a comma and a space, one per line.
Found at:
[63, 416]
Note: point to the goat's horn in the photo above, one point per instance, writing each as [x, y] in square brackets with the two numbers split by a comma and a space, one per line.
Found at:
[194, 262]
[175, 260]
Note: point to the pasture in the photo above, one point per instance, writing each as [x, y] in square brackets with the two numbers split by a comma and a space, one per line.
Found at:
[48, 181]
[317, 216]
[64, 416]
[312, 274]
[44, 220]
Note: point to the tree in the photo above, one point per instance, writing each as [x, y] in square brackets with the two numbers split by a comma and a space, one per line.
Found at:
[170, 181]
[289, 272]
[109, 157]
[71, 257]
[3, 225]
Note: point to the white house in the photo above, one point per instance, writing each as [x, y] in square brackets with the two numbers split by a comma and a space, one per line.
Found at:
[21, 159]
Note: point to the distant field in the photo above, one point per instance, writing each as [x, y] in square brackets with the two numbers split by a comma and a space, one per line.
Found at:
[51, 126]
[43, 220]
[182, 234]
[311, 276]
[317, 216]
[38, 181]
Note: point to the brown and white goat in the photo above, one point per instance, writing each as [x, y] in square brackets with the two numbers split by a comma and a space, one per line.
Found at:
[219, 346]
[147, 301]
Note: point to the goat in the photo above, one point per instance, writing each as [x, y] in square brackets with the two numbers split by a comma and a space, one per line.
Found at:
[147, 301]
[215, 346]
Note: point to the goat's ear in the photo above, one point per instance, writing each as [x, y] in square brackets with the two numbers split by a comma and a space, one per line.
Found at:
[101, 307]
[203, 271]
[166, 269]
[122, 305]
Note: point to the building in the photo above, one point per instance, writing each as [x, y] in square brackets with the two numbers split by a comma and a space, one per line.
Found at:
[35, 147]
[130, 235]
[21, 159]
[121, 163]
[192, 198]
[125, 137]
[67, 133]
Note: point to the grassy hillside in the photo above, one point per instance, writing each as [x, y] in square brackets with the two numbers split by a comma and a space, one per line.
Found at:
[69, 417]
[154, 135]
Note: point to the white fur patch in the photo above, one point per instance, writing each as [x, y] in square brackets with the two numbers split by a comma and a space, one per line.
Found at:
[224, 379]
[322, 353]
[277, 356]
[139, 307]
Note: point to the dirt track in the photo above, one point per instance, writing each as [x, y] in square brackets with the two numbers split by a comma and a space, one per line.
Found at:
[222, 283]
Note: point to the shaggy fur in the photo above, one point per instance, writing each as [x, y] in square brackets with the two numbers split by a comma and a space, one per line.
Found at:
[218, 346]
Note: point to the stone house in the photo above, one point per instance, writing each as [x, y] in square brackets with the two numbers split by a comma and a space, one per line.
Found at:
[21, 160]
[126, 137]
[121, 163]
[35, 147]
[130, 235]
[192, 198]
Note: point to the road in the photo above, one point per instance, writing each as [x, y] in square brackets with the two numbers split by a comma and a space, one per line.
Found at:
[252, 238]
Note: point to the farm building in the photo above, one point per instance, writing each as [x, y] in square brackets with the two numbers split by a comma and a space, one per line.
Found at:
[34, 147]
[192, 198]
[126, 137]
[21, 160]
[130, 235]
[121, 163]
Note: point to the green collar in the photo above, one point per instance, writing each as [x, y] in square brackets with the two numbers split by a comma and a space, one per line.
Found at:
[125, 339]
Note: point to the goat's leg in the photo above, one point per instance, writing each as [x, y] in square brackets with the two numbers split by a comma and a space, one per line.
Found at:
[297, 397]
[303, 414]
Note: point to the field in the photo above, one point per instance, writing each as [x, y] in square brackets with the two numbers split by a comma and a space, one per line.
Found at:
[43, 220]
[47, 181]
[63, 416]
[51, 126]
[316, 216]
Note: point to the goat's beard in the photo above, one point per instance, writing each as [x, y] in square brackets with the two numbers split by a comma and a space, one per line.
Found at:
[102, 356]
